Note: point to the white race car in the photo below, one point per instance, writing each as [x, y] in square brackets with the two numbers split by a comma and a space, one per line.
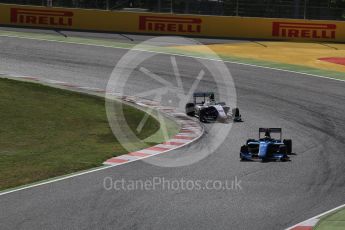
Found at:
[207, 109]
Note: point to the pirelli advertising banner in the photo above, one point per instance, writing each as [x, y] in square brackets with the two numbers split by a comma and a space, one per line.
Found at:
[192, 25]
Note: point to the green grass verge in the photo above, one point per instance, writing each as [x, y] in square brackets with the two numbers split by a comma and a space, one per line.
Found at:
[48, 132]
[333, 221]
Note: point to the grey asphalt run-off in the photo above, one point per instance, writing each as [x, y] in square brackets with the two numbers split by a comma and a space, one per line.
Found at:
[274, 195]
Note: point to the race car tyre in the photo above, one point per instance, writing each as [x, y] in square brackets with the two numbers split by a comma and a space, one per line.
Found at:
[202, 116]
[283, 149]
[241, 157]
[288, 144]
[236, 116]
[236, 113]
[244, 149]
[263, 160]
[190, 111]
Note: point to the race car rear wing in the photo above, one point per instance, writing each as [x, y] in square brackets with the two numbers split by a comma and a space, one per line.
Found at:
[268, 131]
[202, 95]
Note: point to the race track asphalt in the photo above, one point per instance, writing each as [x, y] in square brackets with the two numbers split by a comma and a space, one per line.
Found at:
[274, 195]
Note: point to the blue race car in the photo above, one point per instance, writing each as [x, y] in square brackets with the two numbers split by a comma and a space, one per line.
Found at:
[267, 148]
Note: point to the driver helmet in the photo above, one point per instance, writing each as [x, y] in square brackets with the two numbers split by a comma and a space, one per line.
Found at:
[267, 134]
